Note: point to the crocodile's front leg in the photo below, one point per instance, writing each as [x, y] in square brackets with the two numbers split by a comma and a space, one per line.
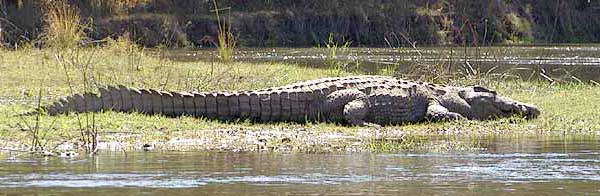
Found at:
[437, 112]
[352, 104]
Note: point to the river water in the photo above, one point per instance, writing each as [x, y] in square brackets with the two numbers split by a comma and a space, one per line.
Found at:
[560, 62]
[556, 166]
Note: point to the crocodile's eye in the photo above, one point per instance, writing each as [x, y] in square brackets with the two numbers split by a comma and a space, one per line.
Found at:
[482, 90]
[477, 92]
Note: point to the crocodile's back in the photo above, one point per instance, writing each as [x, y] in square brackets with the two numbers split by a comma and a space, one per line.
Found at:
[309, 97]
[327, 85]
[299, 102]
[397, 105]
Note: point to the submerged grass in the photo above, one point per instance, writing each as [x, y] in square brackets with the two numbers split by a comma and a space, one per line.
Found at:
[568, 109]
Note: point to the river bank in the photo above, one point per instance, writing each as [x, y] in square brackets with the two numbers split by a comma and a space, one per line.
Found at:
[31, 75]
[309, 23]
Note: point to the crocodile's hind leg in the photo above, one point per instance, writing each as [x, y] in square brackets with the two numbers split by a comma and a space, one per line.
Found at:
[355, 113]
[437, 112]
[350, 105]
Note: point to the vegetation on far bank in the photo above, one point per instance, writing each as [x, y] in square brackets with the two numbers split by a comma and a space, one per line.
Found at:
[309, 22]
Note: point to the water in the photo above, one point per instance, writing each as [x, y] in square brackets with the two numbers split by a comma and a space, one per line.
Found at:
[532, 166]
[559, 62]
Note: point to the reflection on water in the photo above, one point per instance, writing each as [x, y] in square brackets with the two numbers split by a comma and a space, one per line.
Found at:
[581, 61]
[550, 165]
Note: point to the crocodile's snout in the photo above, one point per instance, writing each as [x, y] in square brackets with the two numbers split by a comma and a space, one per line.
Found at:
[530, 111]
[511, 107]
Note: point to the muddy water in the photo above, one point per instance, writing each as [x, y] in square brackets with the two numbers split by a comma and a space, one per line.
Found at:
[568, 62]
[556, 166]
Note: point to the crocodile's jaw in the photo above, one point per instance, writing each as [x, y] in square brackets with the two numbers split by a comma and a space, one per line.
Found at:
[511, 107]
[486, 104]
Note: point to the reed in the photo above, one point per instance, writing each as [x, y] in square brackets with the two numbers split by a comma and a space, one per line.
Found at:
[226, 39]
[334, 51]
[64, 28]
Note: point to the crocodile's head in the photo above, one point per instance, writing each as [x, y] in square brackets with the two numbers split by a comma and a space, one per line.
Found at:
[487, 104]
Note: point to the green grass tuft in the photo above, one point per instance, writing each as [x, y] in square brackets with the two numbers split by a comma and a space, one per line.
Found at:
[226, 39]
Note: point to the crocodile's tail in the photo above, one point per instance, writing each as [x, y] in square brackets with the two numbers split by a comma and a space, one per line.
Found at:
[77, 103]
[123, 99]
[109, 98]
[252, 105]
[212, 105]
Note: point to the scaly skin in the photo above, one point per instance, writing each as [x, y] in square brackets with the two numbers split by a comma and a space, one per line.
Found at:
[356, 100]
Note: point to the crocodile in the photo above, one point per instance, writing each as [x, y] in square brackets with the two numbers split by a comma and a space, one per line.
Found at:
[352, 100]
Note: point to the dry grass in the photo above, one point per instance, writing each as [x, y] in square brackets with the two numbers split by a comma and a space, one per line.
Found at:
[64, 28]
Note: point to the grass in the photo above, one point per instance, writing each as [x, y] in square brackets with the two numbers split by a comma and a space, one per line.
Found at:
[30, 77]
[333, 50]
[111, 65]
[568, 109]
[63, 29]
[225, 40]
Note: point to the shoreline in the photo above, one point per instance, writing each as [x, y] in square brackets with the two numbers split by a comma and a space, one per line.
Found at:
[567, 108]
